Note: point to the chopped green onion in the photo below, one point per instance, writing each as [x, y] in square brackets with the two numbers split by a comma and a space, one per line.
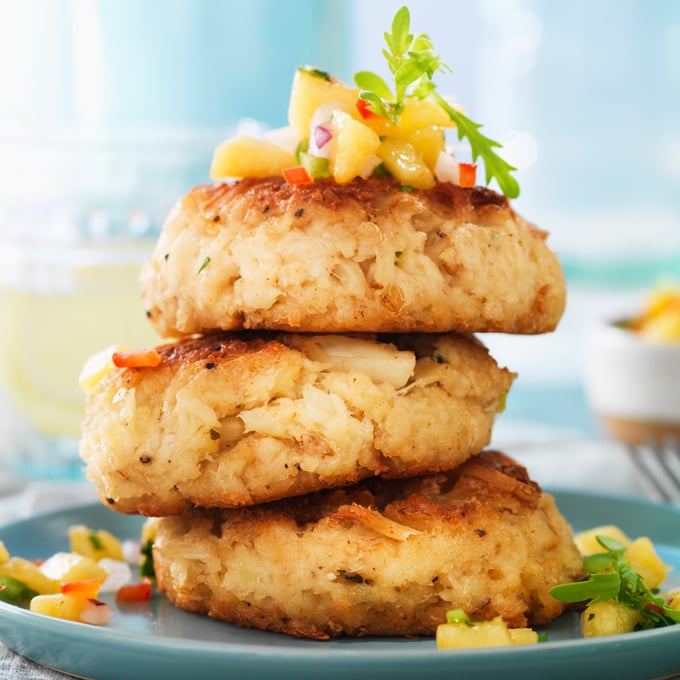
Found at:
[315, 166]
[458, 616]
[15, 592]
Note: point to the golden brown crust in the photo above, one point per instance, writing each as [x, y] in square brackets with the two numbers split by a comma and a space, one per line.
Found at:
[357, 257]
[233, 419]
[272, 196]
[385, 557]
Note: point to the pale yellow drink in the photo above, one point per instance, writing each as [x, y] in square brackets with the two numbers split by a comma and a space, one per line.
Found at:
[58, 306]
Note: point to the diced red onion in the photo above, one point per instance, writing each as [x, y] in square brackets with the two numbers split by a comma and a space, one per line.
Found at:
[96, 613]
[446, 168]
[117, 574]
[132, 550]
[322, 118]
[322, 136]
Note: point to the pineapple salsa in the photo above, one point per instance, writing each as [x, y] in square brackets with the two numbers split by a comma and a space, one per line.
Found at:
[67, 585]
[371, 129]
[621, 595]
[659, 319]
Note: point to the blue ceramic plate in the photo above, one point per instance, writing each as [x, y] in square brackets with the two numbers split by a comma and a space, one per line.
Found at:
[151, 640]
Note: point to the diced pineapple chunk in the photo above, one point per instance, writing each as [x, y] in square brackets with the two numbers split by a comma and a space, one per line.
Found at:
[588, 545]
[405, 164]
[673, 599]
[63, 566]
[310, 90]
[380, 125]
[4, 553]
[420, 113]
[609, 618]
[429, 142]
[640, 552]
[643, 558]
[95, 544]
[461, 635]
[29, 574]
[663, 328]
[246, 156]
[58, 605]
[97, 366]
[382, 362]
[354, 153]
[523, 636]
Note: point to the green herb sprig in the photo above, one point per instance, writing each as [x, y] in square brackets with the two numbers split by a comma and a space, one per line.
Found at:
[612, 577]
[413, 63]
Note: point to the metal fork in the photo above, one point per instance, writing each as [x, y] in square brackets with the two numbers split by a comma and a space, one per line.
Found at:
[659, 466]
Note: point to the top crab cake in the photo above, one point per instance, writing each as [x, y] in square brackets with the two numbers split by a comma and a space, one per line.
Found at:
[361, 256]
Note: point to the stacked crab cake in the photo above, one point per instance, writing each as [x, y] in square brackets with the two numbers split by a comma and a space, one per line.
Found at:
[311, 443]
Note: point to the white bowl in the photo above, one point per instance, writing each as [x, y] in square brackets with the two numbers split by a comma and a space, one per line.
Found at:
[633, 385]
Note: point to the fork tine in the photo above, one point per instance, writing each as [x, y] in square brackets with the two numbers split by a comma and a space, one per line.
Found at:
[659, 468]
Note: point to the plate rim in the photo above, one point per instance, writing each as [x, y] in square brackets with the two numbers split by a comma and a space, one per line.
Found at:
[351, 657]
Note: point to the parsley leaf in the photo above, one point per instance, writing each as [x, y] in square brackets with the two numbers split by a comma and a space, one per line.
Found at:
[146, 567]
[613, 578]
[206, 262]
[413, 63]
[95, 541]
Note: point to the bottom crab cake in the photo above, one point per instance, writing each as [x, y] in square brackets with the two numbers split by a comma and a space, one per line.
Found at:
[383, 557]
[233, 419]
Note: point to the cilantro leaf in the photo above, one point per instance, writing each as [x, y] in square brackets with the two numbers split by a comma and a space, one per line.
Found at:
[612, 577]
[399, 40]
[413, 63]
[482, 146]
[597, 588]
[373, 84]
[377, 104]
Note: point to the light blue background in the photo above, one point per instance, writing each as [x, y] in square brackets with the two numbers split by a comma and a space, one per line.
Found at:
[115, 106]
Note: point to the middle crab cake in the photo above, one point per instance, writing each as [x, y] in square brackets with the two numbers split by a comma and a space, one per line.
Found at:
[234, 419]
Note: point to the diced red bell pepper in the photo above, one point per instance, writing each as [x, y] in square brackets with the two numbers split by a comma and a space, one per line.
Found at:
[297, 176]
[467, 173]
[144, 358]
[135, 592]
[365, 110]
[87, 588]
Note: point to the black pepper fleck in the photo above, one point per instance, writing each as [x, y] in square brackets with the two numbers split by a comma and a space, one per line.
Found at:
[166, 256]
[110, 501]
[300, 212]
[145, 459]
[210, 365]
[148, 314]
[216, 218]
[480, 532]
[265, 209]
